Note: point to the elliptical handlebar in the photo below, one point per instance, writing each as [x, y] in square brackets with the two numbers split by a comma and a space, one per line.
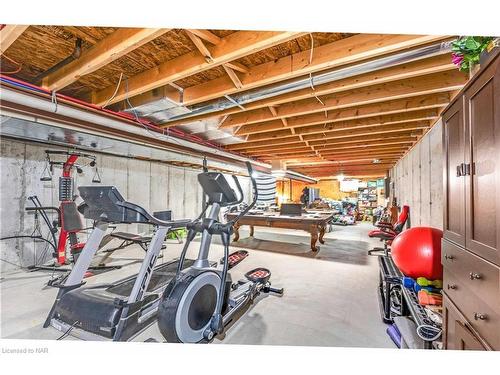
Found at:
[152, 219]
[254, 188]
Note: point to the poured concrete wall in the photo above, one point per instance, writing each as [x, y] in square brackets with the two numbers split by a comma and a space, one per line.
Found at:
[418, 180]
[153, 185]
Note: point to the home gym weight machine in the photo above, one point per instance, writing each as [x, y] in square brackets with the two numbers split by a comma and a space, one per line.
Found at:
[202, 300]
[68, 214]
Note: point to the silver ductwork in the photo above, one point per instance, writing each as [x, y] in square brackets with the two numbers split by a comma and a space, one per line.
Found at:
[160, 113]
[114, 125]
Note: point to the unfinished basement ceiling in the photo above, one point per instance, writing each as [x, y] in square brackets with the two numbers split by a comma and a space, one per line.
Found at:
[326, 103]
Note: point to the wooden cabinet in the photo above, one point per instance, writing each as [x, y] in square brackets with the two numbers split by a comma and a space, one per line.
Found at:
[471, 233]
[482, 158]
[454, 187]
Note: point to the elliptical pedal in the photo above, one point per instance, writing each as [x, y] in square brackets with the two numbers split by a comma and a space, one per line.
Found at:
[258, 275]
[235, 258]
[262, 275]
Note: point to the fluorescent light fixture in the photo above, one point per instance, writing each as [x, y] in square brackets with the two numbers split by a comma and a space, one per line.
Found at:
[376, 161]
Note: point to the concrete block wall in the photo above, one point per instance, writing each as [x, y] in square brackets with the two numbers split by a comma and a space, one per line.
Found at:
[418, 180]
[154, 185]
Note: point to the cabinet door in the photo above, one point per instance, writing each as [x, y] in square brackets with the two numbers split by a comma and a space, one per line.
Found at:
[454, 181]
[482, 187]
[456, 335]
[464, 339]
[450, 316]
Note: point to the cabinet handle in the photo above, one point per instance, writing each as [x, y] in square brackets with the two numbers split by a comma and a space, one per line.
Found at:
[474, 276]
[452, 286]
[467, 169]
[449, 257]
[479, 316]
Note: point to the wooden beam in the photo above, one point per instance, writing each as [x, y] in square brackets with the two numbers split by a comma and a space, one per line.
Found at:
[232, 47]
[237, 66]
[345, 51]
[346, 169]
[380, 131]
[9, 35]
[365, 123]
[198, 43]
[376, 139]
[205, 35]
[346, 155]
[417, 68]
[107, 50]
[344, 160]
[396, 107]
[319, 140]
[234, 77]
[359, 175]
[300, 147]
[426, 85]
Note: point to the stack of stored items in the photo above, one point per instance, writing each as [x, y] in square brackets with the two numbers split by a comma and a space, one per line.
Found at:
[410, 288]
[367, 200]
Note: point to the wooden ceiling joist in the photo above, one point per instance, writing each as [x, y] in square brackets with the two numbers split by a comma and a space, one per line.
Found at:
[404, 71]
[314, 139]
[107, 50]
[292, 147]
[346, 131]
[9, 35]
[348, 159]
[427, 85]
[205, 35]
[345, 51]
[367, 123]
[198, 43]
[338, 155]
[343, 169]
[385, 130]
[233, 76]
[395, 107]
[231, 47]
[376, 139]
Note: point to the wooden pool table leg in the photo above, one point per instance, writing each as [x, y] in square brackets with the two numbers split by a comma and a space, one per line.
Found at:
[314, 237]
[236, 227]
[251, 230]
[322, 230]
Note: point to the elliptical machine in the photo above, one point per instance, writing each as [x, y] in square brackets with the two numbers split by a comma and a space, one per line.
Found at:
[202, 300]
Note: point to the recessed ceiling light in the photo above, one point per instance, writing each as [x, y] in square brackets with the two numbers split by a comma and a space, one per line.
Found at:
[376, 161]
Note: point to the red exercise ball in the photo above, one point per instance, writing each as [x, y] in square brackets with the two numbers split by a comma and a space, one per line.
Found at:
[417, 252]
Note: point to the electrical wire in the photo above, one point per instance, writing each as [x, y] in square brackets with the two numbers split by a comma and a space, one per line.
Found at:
[19, 66]
[116, 91]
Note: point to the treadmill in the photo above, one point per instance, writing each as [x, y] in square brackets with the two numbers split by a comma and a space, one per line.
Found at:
[121, 310]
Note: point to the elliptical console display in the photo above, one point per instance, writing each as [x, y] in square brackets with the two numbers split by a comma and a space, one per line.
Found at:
[202, 299]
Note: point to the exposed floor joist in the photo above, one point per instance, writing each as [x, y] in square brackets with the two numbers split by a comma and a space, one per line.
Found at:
[230, 48]
[9, 35]
[427, 85]
[394, 107]
[417, 68]
[345, 51]
[102, 53]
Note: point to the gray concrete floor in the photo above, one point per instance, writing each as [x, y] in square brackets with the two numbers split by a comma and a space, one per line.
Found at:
[330, 296]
